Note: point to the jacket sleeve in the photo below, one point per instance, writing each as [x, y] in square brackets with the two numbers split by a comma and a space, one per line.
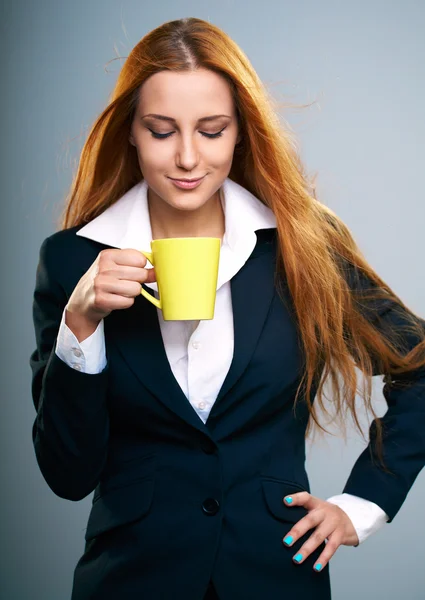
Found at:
[70, 432]
[403, 422]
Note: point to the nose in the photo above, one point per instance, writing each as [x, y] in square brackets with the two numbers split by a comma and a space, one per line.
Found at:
[187, 155]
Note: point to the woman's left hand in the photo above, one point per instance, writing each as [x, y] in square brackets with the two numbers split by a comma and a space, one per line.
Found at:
[331, 523]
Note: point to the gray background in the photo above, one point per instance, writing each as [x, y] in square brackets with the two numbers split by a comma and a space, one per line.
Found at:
[362, 64]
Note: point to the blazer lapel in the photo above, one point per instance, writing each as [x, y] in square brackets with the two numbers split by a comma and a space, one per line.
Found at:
[252, 293]
[137, 335]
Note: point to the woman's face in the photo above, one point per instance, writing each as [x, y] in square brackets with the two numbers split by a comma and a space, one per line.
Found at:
[191, 146]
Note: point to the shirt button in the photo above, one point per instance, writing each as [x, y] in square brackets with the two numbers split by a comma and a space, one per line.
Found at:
[196, 345]
[77, 367]
[77, 352]
[201, 405]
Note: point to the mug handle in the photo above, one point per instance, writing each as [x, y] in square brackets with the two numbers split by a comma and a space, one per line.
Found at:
[144, 293]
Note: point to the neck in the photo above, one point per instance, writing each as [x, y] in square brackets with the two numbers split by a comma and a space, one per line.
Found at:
[206, 221]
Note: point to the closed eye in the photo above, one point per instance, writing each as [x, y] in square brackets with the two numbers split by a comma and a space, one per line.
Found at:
[162, 136]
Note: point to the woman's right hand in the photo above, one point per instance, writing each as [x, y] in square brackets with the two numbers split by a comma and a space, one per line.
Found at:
[112, 282]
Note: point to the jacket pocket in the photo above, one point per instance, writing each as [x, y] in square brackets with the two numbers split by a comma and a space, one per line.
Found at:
[123, 497]
[274, 491]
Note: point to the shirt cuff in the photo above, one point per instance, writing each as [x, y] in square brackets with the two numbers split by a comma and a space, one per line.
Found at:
[366, 516]
[88, 356]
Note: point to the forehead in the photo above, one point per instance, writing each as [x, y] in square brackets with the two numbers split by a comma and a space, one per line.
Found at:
[176, 94]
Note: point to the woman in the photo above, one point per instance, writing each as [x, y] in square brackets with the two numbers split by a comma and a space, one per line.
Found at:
[192, 434]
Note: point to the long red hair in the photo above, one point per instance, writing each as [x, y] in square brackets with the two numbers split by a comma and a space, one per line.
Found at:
[324, 269]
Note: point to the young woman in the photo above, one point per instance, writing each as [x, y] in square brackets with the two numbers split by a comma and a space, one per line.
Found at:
[192, 434]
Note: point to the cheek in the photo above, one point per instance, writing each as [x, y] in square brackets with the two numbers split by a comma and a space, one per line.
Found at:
[219, 155]
[154, 157]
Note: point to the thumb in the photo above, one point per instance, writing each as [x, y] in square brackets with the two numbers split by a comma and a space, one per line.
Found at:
[302, 499]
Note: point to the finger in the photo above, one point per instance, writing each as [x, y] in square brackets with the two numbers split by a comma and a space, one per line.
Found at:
[333, 543]
[317, 538]
[313, 519]
[129, 289]
[151, 276]
[130, 257]
[128, 273]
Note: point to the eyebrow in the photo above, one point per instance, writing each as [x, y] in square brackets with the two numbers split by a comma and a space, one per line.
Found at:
[164, 118]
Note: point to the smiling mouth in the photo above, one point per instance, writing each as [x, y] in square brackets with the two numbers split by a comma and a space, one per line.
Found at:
[187, 180]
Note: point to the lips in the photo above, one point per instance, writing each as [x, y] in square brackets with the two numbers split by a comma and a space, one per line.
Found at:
[187, 185]
[187, 180]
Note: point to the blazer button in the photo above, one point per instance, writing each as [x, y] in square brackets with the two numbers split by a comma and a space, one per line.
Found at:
[210, 506]
[207, 446]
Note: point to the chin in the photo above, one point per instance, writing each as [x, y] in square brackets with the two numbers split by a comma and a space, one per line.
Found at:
[186, 204]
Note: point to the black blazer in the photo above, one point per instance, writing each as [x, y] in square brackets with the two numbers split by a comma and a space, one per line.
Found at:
[178, 502]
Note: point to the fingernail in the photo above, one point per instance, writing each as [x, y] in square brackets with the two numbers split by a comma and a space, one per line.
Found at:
[318, 567]
[298, 557]
[288, 540]
[288, 499]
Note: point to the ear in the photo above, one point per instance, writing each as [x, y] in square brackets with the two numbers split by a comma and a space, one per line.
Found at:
[131, 139]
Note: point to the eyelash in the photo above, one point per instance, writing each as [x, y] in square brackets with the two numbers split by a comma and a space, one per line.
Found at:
[163, 136]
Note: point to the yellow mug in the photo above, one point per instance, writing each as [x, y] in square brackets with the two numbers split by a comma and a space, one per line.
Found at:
[186, 272]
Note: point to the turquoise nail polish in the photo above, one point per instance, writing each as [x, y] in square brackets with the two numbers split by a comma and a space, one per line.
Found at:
[298, 557]
[288, 539]
[288, 499]
[318, 567]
